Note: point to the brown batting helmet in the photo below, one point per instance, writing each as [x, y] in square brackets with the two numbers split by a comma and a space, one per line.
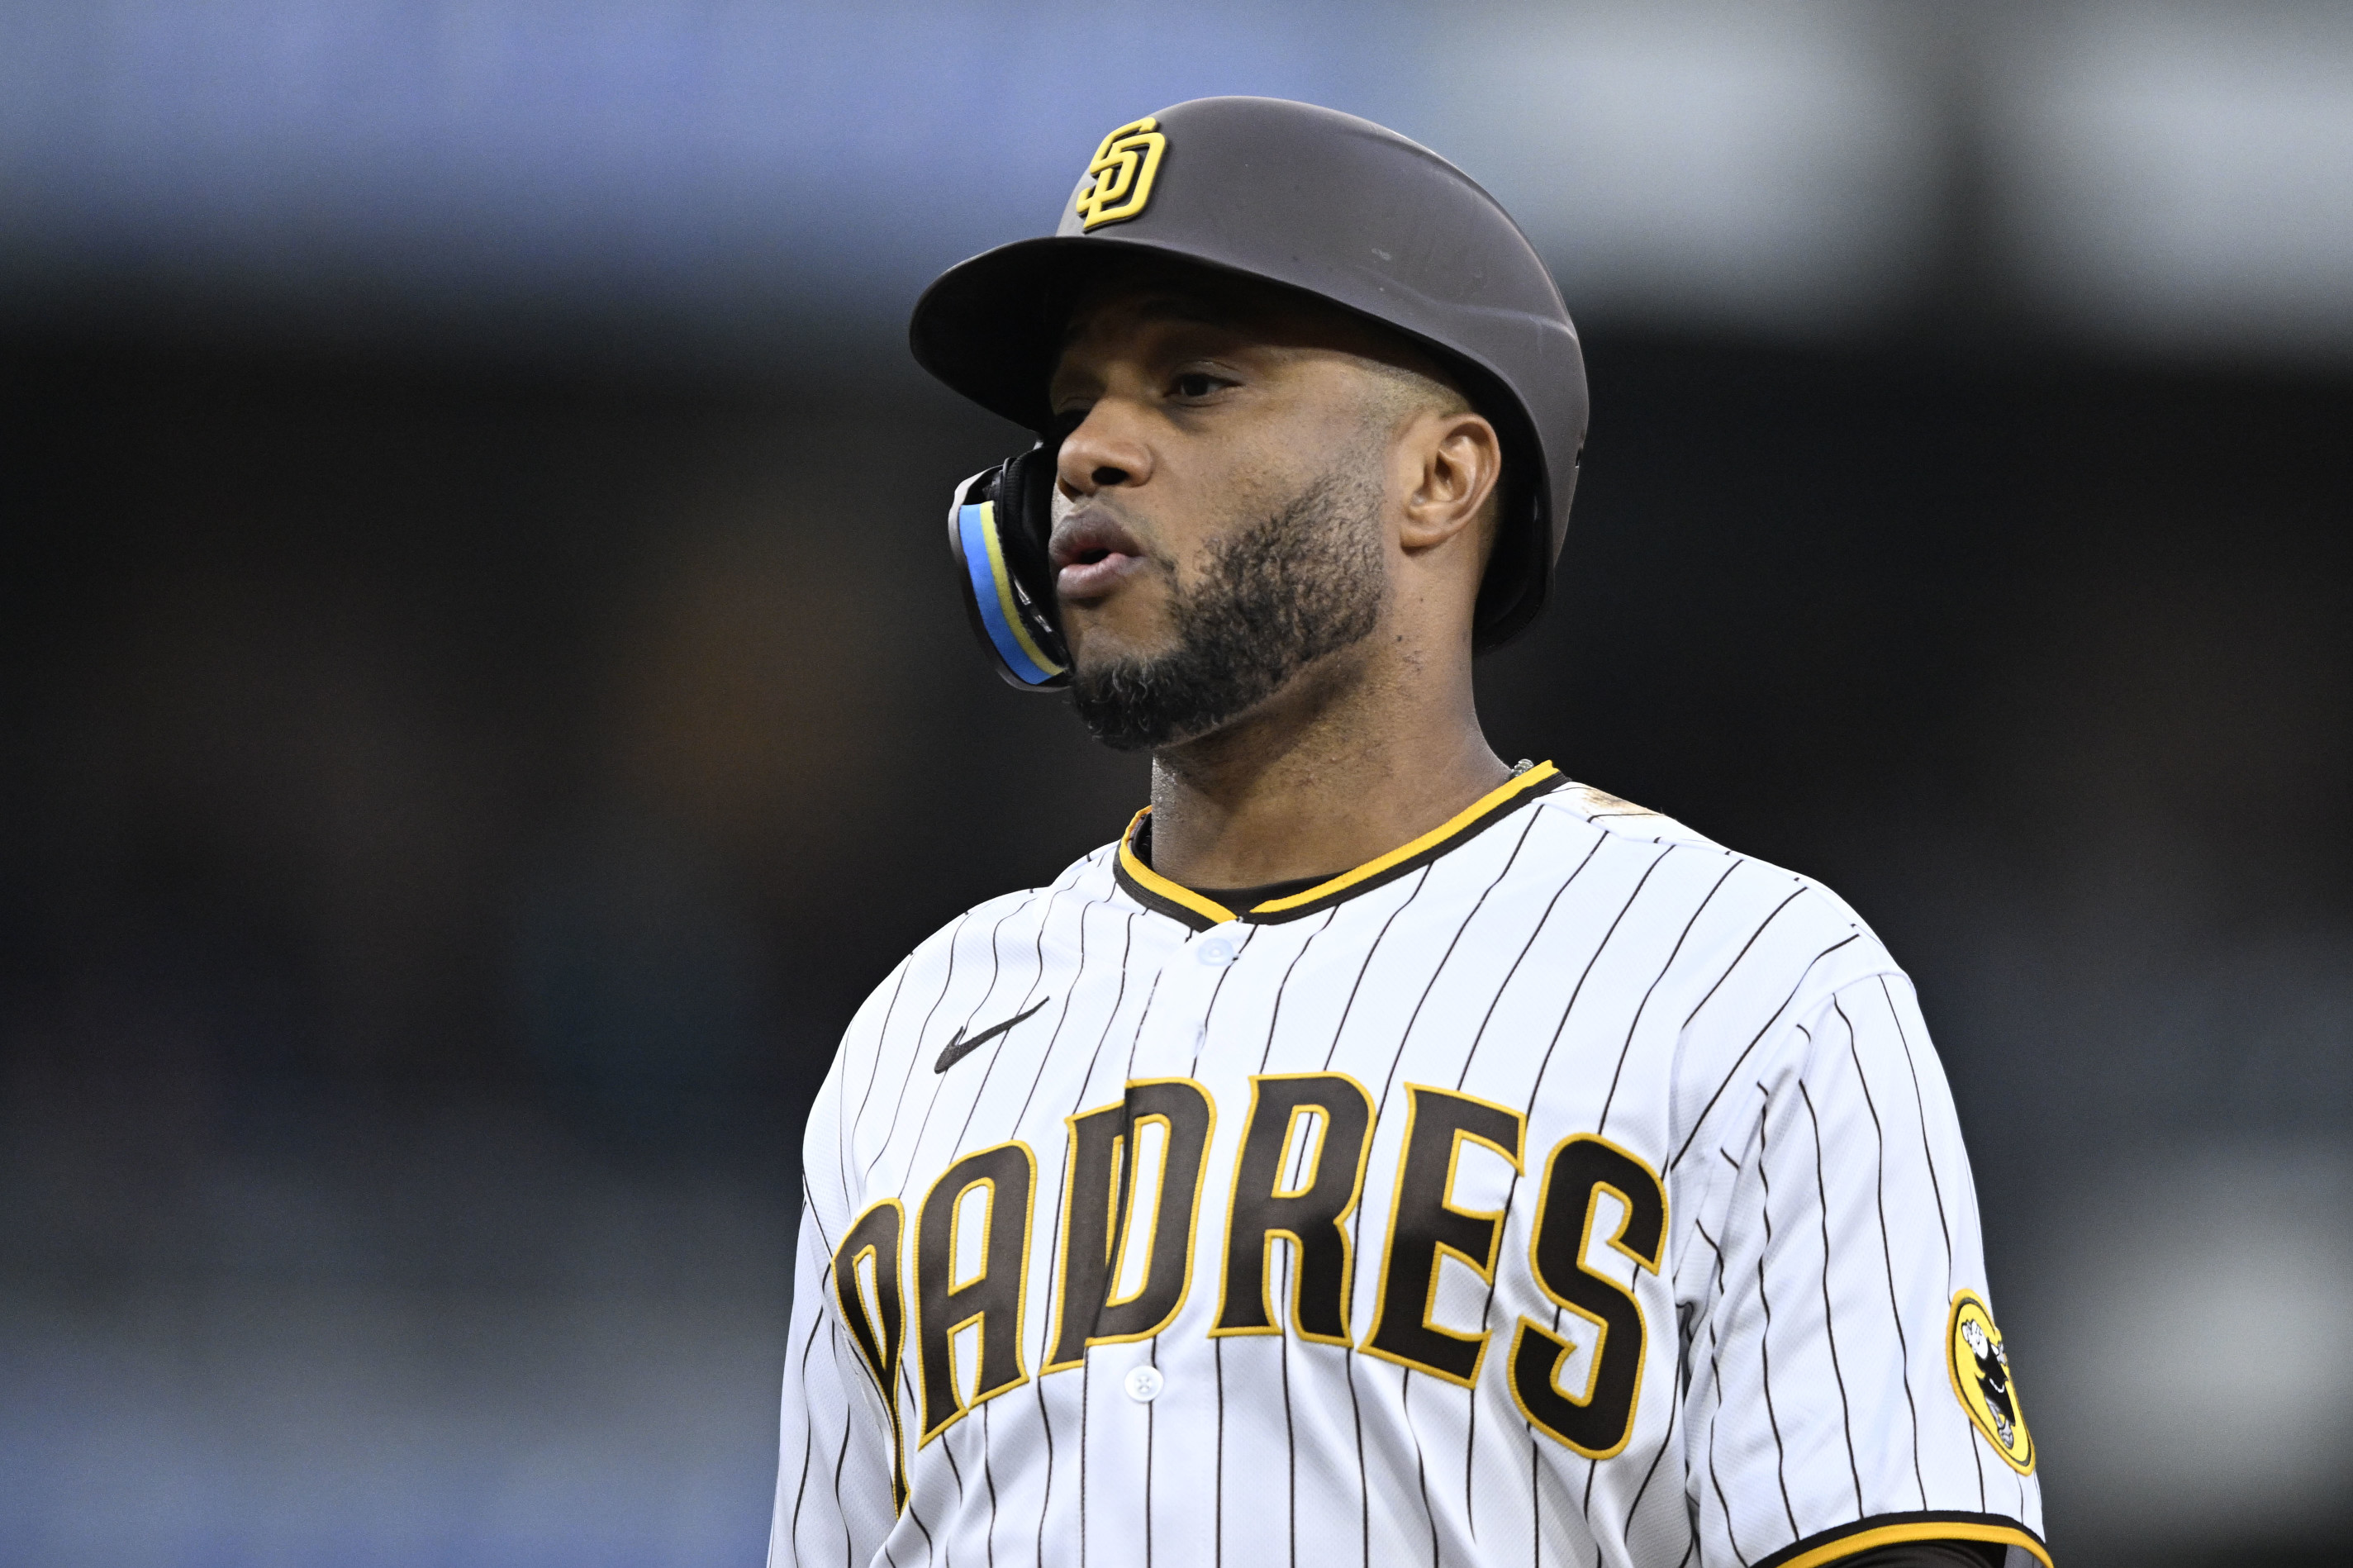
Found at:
[1321, 202]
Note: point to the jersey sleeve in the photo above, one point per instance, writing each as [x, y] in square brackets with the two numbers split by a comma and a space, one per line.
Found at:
[1836, 1245]
[833, 1475]
[835, 1500]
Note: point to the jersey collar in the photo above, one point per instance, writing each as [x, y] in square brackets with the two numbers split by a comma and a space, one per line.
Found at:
[1157, 893]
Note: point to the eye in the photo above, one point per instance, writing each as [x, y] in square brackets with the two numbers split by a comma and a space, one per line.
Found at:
[1192, 384]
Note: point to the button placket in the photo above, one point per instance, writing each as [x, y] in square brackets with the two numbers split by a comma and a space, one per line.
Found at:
[1178, 1019]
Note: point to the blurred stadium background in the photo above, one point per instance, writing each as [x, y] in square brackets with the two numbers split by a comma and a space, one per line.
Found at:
[481, 697]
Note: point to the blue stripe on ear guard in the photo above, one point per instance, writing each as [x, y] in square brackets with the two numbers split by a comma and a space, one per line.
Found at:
[992, 592]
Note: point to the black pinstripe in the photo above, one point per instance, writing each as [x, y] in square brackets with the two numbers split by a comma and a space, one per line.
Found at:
[1701, 1006]
[915, 1045]
[930, 1547]
[1364, 1478]
[1526, 948]
[1045, 915]
[1765, 1299]
[1348, 1365]
[1494, 1276]
[1700, 1121]
[1674, 1412]
[1356, 1227]
[996, 970]
[1493, 1281]
[1144, 1012]
[1421, 1472]
[1217, 1514]
[1886, 1247]
[1936, 1188]
[1148, 1434]
[1046, 1420]
[1209, 1014]
[907, 1381]
[1046, 1053]
[808, 1437]
[1445, 958]
[1218, 1549]
[1095, 1059]
[989, 1476]
[1086, 1399]
[1149, 1430]
[1830, 1321]
[1643, 1007]
[947, 1450]
[1920, 1105]
[1371, 952]
[1544, 1065]
[1274, 1018]
[808, 1203]
[848, 1550]
[1715, 1375]
[1535, 1505]
[931, 1102]
[819, 1318]
[874, 1071]
[1289, 1435]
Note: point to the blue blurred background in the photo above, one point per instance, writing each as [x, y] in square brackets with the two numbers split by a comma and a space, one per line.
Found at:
[481, 697]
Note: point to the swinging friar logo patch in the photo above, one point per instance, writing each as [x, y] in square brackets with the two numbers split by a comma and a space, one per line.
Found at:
[1980, 1370]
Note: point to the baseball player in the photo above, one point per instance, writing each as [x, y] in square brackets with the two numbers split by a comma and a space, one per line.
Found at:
[1378, 1154]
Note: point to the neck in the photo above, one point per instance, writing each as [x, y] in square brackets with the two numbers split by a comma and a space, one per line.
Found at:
[1355, 757]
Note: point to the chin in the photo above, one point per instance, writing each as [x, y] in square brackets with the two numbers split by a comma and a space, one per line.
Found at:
[1096, 646]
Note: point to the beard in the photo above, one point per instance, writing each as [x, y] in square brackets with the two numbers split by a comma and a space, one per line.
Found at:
[1274, 597]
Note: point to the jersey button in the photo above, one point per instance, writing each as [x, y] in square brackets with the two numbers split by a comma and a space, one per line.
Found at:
[1217, 953]
[1144, 1385]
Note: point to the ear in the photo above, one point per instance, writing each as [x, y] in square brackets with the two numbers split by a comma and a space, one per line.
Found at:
[1450, 464]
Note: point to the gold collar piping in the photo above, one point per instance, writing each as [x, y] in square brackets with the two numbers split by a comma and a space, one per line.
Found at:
[1156, 892]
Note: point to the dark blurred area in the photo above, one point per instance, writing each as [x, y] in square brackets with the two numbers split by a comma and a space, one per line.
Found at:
[461, 761]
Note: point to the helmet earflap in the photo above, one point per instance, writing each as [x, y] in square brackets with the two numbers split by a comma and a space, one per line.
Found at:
[997, 529]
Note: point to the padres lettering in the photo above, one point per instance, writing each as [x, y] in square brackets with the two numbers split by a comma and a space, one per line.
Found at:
[1134, 1176]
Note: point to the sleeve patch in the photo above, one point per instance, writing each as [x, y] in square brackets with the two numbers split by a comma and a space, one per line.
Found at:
[1982, 1381]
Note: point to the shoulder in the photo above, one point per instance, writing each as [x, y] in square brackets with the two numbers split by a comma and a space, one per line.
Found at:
[1622, 818]
[1738, 887]
[1748, 940]
[1757, 950]
[1004, 938]
[1023, 918]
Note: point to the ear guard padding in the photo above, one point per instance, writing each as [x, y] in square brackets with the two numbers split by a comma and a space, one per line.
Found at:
[998, 530]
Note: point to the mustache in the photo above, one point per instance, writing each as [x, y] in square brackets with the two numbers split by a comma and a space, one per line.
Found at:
[1093, 522]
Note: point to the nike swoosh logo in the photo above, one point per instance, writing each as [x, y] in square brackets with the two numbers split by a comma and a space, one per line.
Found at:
[958, 1048]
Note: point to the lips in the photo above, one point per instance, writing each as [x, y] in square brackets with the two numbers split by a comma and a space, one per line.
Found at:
[1091, 555]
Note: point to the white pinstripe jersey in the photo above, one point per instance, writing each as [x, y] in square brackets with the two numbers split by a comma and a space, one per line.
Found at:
[1560, 1188]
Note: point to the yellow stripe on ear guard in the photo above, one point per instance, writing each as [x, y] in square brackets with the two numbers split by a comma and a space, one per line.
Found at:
[1005, 601]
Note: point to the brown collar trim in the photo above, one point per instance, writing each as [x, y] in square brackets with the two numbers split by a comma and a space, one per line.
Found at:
[1162, 896]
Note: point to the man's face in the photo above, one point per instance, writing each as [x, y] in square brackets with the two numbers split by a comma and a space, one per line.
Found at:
[1219, 516]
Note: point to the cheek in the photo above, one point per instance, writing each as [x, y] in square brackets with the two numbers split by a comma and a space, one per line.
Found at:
[1229, 491]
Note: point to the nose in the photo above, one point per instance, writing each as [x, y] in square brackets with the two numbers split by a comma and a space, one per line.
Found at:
[1105, 450]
